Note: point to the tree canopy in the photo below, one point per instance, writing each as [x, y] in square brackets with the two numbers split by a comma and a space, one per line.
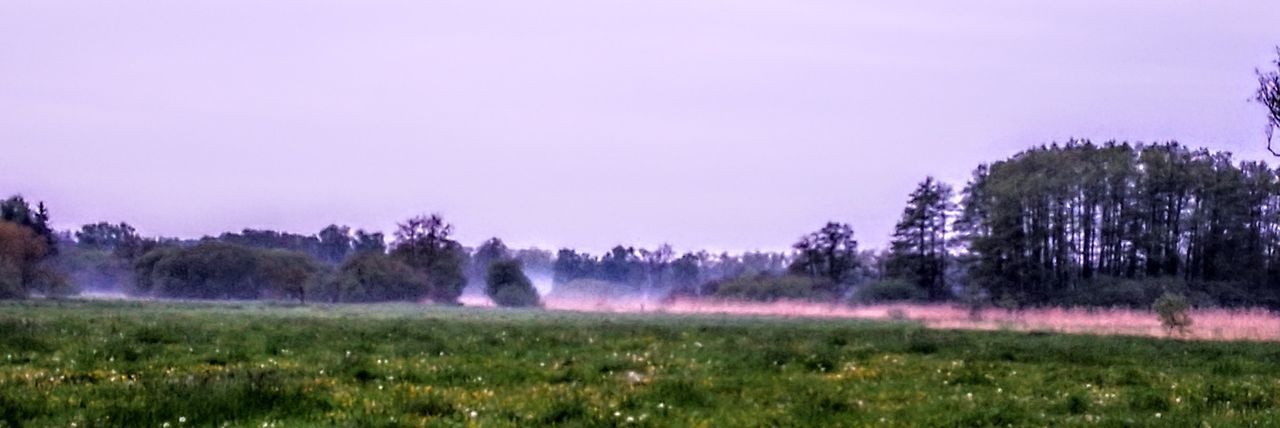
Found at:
[507, 285]
[918, 252]
[1045, 223]
[424, 243]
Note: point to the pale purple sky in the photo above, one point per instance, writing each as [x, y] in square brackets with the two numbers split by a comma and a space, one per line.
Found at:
[733, 124]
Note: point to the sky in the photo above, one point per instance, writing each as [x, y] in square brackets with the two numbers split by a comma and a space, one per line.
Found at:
[719, 124]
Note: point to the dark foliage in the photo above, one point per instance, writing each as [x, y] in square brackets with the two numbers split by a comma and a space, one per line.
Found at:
[507, 285]
[919, 252]
[831, 253]
[218, 270]
[375, 277]
[424, 243]
[1047, 222]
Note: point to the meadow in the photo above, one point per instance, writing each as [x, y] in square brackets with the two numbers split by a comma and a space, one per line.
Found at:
[166, 364]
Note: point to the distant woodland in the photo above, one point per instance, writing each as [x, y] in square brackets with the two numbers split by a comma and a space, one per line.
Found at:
[1079, 223]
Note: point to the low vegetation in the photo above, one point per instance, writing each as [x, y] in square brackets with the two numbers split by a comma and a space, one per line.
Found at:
[1174, 312]
[158, 364]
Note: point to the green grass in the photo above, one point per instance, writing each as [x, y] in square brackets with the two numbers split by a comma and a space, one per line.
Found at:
[151, 364]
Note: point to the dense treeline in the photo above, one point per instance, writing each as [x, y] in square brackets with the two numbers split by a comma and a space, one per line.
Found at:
[1072, 224]
[631, 272]
[1058, 221]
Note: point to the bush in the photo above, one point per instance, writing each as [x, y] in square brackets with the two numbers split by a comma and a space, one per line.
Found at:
[516, 297]
[1227, 293]
[507, 285]
[217, 270]
[891, 290]
[209, 270]
[375, 277]
[1107, 291]
[1174, 312]
[768, 288]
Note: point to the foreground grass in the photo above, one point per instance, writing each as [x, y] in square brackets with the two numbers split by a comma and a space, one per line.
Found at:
[132, 364]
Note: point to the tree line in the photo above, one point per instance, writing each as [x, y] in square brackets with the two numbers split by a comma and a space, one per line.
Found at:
[1070, 221]
[1077, 223]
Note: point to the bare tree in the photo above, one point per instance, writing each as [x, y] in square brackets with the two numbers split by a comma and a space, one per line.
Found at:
[1269, 96]
[422, 231]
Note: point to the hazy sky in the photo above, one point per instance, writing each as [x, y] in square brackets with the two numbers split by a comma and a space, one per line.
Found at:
[734, 124]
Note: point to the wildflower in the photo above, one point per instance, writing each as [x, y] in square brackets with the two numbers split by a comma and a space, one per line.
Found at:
[182, 419]
[473, 413]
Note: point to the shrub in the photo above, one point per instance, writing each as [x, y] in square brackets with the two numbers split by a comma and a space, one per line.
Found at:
[209, 270]
[218, 270]
[507, 285]
[1108, 291]
[375, 277]
[769, 288]
[891, 290]
[1174, 312]
[1228, 293]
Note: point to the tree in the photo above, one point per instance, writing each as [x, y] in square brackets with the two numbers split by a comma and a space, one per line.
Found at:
[489, 252]
[106, 236]
[369, 242]
[213, 269]
[571, 265]
[145, 270]
[830, 253]
[686, 275]
[26, 244]
[621, 265]
[273, 240]
[289, 273]
[1059, 223]
[1269, 96]
[423, 243]
[919, 247]
[20, 253]
[208, 270]
[376, 277]
[507, 285]
[335, 243]
[656, 264]
[535, 259]
[16, 210]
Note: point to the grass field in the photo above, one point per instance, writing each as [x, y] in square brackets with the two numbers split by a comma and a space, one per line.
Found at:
[136, 364]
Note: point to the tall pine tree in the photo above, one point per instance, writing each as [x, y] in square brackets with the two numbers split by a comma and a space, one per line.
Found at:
[918, 252]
